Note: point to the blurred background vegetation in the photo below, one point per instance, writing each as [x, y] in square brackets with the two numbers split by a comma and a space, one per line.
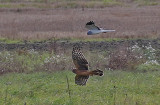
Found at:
[79, 3]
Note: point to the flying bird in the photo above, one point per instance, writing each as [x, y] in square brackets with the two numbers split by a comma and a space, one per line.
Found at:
[93, 29]
[81, 71]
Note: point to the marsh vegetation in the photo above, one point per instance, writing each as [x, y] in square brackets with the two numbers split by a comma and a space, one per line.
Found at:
[36, 39]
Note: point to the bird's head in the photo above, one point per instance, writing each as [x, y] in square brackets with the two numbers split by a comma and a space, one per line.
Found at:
[76, 47]
[89, 33]
[74, 71]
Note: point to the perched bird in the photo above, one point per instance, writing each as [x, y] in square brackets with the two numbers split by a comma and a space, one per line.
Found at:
[81, 71]
[94, 29]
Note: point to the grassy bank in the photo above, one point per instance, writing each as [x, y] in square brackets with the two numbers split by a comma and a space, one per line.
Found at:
[141, 55]
[115, 87]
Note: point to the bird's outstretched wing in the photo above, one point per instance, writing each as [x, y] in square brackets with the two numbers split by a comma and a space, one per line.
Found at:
[81, 64]
[78, 59]
[91, 26]
[81, 80]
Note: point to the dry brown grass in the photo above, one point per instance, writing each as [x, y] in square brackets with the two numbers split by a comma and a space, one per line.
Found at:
[124, 58]
[32, 23]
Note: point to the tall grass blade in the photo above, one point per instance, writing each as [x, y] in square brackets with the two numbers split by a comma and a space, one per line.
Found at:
[68, 86]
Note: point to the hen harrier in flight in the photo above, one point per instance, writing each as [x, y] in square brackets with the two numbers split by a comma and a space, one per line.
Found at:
[81, 71]
[94, 29]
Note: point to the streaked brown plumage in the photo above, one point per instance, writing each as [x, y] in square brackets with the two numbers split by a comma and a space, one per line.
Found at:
[81, 71]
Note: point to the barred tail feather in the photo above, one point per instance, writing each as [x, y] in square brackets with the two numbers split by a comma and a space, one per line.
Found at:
[97, 72]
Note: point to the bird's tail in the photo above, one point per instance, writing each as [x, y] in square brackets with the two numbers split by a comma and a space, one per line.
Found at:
[97, 72]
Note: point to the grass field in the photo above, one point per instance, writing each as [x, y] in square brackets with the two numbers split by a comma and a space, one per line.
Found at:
[76, 3]
[36, 40]
[114, 88]
[32, 77]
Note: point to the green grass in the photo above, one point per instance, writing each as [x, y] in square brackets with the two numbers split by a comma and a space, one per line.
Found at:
[5, 6]
[10, 41]
[115, 87]
[60, 4]
[147, 2]
[73, 3]
[87, 39]
[39, 78]
[8, 5]
[23, 5]
[97, 39]
[17, 41]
